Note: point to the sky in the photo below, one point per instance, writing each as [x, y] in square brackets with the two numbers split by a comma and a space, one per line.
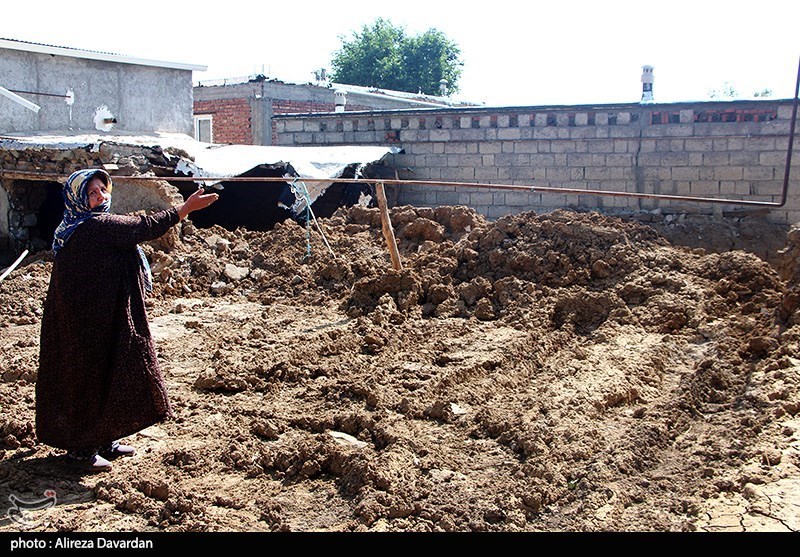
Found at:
[515, 53]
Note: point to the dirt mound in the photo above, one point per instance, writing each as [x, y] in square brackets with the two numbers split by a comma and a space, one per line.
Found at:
[541, 372]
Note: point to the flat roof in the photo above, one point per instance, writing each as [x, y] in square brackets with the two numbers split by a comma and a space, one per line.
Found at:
[15, 44]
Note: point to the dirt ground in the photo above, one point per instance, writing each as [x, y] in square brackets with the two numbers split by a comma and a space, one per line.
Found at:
[557, 372]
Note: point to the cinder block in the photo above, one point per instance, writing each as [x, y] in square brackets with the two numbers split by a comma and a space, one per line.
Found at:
[601, 146]
[420, 148]
[541, 159]
[540, 119]
[685, 173]
[621, 145]
[663, 146]
[623, 118]
[558, 174]
[563, 147]
[624, 131]
[440, 135]
[679, 130]
[735, 144]
[524, 146]
[584, 159]
[743, 158]
[524, 120]
[486, 174]
[581, 119]
[703, 187]
[553, 200]
[562, 119]
[329, 138]
[396, 123]
[768, 188]
[697, 144]
[716, 159]
[619, 160]
[508, 134]
[776, 158]
[485, 121]
[438, 148]
[645, 146]
[686, 116]
[514, 159]
[582, 132]
[365, 137]
[503, 121]
[759, 144]
[293, 125]
[487, 160]
[468, 135]
[497, 211]
[463, 199]
[517, 198]
[603, 173]
[453, 148]
[480, 198]
[415, 198]
[759, 172]
[490, 148]
[465, 160]
[545, 133]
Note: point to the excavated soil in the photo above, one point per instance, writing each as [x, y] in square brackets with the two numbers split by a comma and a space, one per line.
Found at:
[541, 372]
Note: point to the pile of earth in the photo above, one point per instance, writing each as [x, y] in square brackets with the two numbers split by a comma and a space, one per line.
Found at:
[563, 371]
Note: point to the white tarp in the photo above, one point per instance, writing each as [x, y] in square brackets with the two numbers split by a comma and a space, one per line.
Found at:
[221, 160]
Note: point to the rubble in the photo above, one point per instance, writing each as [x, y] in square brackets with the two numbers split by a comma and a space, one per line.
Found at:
[564, 371]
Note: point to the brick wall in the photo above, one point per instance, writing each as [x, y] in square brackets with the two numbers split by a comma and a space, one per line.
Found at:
[231, 119]
[734, 150]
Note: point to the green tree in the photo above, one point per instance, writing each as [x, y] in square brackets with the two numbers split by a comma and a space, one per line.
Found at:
[382, 55]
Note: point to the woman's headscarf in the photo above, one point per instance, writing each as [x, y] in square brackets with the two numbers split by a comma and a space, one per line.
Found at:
[76, 204]
[77, 211]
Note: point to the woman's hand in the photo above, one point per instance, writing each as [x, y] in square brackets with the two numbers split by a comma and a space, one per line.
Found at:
[198, 200]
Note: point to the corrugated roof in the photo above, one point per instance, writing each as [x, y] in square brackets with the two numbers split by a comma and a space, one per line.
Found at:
[27, 46]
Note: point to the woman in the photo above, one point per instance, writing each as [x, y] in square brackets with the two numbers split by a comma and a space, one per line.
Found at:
[99, 378]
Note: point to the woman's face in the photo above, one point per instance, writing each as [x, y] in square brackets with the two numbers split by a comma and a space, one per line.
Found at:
[97, 192]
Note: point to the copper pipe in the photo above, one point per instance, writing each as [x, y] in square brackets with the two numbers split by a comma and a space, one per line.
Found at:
[532, 189]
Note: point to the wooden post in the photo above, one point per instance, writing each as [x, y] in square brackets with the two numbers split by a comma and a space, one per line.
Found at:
[386, 224]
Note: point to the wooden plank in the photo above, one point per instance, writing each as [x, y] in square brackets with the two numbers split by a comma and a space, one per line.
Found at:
[386, 224]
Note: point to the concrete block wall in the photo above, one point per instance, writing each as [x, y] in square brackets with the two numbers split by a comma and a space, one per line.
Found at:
[141, 98]
[733, 150]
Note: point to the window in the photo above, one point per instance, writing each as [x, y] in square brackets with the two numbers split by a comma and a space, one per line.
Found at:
[203, 126]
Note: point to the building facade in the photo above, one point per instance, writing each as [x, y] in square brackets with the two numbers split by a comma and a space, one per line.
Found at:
[241, 111]
[85, 91]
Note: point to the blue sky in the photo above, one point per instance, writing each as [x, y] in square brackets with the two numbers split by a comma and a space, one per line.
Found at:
[515, 53]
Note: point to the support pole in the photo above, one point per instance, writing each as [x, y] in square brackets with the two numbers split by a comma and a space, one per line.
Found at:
[386, 224]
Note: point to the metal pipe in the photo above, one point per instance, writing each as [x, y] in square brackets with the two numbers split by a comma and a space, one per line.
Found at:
[791, 139]
[532, 189]
[13, 265]
[40, 94]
